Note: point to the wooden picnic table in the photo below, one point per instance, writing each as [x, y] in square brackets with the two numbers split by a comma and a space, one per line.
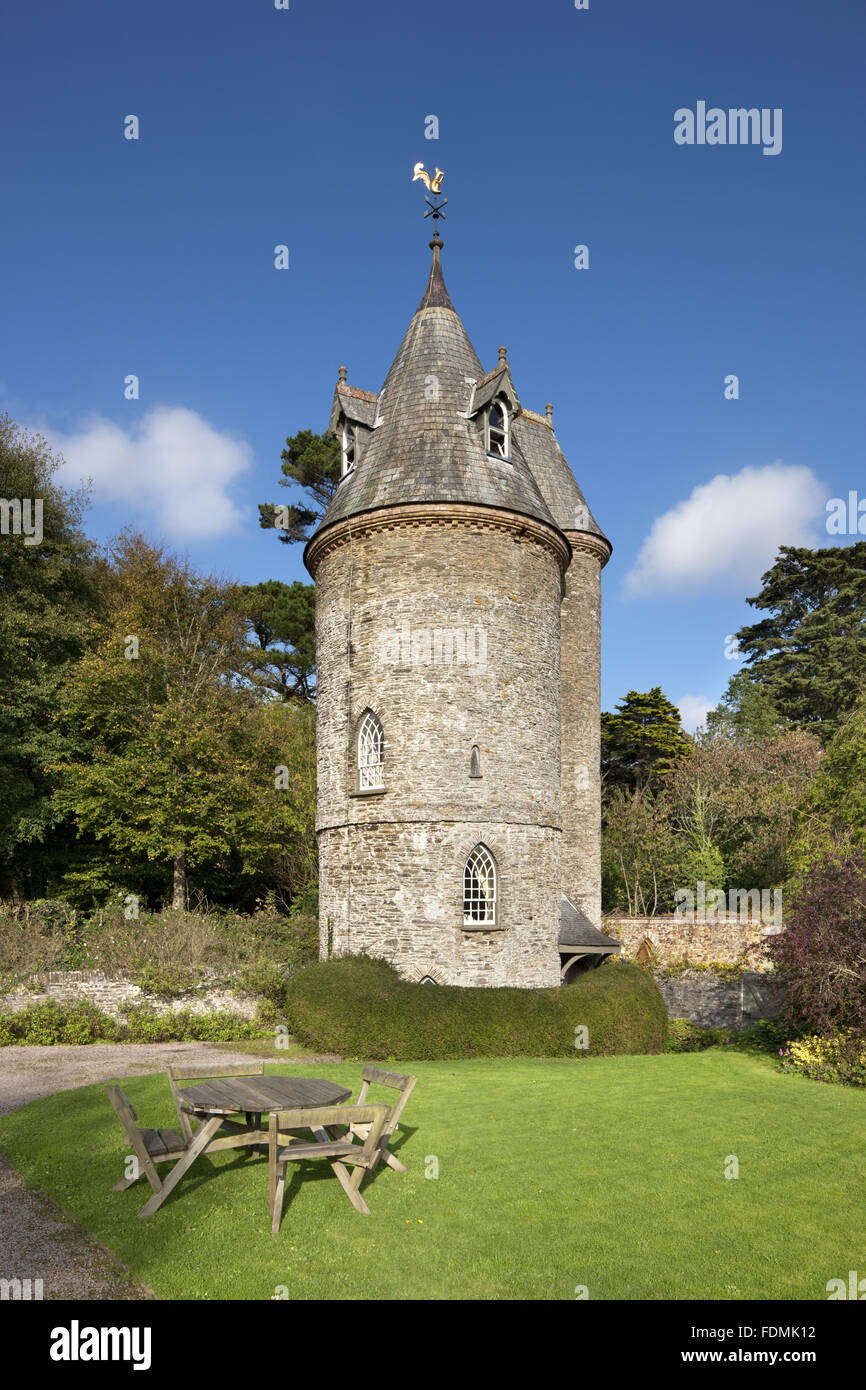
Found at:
[252, 1096]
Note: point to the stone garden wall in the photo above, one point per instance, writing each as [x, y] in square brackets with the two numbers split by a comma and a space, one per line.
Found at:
[108, 994]
[676, 939]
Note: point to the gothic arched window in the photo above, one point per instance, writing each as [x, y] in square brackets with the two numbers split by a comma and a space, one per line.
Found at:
[350, 444]
[479, 888]
[371, 741]
[497, 428]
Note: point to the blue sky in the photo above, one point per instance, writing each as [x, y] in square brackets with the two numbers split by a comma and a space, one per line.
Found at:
[260, 127]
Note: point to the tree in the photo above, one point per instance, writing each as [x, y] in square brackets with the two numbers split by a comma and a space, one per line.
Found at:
[50, 592]
[312, 462]
[743, 798]
[822, 951]
[832, 818]
[809, 655]
[746, 712]
[640, 741]
[177, 766]
[639, 853]
[282, 631]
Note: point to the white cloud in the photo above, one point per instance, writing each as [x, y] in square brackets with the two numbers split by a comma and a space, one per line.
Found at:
[694, 710]
[729, 530]
[171, 466]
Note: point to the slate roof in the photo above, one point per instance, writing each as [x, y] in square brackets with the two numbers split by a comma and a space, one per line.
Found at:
[577, 932]
[416, 444]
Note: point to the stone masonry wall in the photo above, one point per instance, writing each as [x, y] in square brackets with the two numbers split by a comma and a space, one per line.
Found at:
[675, 939]
[109, 994]
[712, 1002]
[391, 864]
[581, 732]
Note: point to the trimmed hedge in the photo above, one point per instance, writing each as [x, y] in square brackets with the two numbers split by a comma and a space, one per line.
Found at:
[361, 1008]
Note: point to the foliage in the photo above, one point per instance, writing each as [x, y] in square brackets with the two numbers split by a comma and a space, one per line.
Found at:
[822, 951]
[360, 1007]
[164, 951]
[82, 1022]
[832, 815]
[809, 654]
[640, 741]
[49, 595]
[282, 635]
[745, 712]
[684, 1036]
[640, 856]
[178, 771]
[312, 462]
[840, 1059]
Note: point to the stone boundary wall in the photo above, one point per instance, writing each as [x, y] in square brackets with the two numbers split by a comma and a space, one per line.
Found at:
[108, 994]
[676, 939]
[712, 1002]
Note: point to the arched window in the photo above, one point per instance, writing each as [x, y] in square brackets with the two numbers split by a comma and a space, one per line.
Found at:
[371, 770]
[474, 762]
[479, 888]
[349, 448]
[497, 429]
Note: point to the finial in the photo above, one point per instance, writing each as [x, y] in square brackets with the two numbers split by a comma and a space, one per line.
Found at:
[550, 413]
[503, 353]
[342, 373]
[435, 187]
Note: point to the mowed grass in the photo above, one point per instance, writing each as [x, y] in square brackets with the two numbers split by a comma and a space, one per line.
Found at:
[607, 1173]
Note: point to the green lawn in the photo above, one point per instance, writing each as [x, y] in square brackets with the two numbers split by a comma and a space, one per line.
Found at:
[605, 1172]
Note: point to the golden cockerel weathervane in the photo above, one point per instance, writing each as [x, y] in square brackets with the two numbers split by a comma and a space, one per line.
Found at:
[435, 187]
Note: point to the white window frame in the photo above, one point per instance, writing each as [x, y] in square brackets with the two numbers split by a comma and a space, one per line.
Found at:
[371, 750]
[347, 431]
[480, 888]
[500, 403]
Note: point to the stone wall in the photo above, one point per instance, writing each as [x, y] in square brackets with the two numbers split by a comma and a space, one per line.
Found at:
[712, 1002]
[109, 994]
[391, 863]
[676, 939]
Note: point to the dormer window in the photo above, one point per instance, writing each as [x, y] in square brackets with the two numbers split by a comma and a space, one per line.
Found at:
[350, 445]
[497, 429]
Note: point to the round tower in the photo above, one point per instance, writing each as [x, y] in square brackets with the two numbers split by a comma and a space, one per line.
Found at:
[440, 569]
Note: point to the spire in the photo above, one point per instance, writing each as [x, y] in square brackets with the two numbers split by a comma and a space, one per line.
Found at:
[436, 295]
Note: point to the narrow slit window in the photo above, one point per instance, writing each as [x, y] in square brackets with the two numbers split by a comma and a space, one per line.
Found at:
[479, 889]
[371, 742]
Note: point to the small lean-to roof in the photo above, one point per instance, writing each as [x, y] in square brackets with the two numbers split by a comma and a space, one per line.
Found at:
[576, 932]
[358, 406]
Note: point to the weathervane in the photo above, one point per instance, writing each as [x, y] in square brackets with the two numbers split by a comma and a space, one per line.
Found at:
[435, 187]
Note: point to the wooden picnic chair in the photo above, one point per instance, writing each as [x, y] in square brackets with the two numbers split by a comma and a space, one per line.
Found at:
[150, 1146]
[214, 1071]
[337, 1152]
[373, 1076]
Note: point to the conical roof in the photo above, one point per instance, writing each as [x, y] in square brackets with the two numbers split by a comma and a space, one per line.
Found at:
[422, 447]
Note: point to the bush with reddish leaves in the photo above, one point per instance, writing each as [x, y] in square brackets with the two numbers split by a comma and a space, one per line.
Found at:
[822, 952]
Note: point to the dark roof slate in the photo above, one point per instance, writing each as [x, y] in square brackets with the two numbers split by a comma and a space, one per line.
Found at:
[551, 471]
[425, 449]
[576, 930]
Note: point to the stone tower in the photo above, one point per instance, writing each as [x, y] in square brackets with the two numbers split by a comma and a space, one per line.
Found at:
[457, 579]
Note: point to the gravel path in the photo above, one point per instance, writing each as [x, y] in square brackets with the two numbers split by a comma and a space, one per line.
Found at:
[37, 1239]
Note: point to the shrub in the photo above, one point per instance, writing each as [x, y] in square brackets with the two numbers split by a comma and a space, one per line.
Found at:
[360, 1007]
[684, 1036]
[83, 1022]
[840, 1059]
[822, 952]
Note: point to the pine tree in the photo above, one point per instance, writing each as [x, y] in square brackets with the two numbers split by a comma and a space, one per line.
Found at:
[312, 462]
[640, 741]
